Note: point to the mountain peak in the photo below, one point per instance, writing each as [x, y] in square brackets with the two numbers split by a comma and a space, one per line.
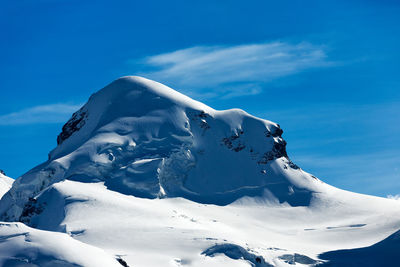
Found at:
[125, 97]
[142, 138]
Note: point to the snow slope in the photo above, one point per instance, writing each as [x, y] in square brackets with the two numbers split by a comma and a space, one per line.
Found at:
[21, 245]
[5, 183]
[176, 231]
[384, 253]
[151, 177]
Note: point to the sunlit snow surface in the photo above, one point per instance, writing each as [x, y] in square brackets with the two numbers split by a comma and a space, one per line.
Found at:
[145, 176]
[5, 184]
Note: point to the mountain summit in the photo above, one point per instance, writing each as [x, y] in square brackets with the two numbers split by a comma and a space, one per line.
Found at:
[145, 176]
[145, 139]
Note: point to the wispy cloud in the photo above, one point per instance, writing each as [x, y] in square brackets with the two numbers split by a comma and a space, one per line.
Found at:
[53, 113]
[233, 70]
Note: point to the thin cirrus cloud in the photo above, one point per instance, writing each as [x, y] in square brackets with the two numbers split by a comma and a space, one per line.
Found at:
[232, 71]
[52, 113]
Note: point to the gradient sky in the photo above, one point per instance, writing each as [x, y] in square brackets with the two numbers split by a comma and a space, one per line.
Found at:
[327, 71]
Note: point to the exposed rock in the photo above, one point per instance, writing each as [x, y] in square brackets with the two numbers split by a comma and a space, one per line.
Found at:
[32, 207]
[232, 142]
[122, 262]
[277, 132]
[278, 151]
[73, 125]
[201, 117]
[294, 166]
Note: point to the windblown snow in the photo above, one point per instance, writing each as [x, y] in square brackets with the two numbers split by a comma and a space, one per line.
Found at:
[145, 176]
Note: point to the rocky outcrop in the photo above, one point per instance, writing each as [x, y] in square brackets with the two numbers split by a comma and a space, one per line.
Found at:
[74, 124]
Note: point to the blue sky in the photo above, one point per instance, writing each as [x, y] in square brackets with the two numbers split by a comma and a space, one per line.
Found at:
[327, 71]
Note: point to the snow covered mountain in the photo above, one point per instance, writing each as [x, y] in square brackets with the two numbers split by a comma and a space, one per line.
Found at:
[145, 176]
[144, 139]
[5, 183]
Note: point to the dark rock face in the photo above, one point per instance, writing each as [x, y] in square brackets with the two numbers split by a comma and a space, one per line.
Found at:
[201, 118]
[203, 115]
[279, 148]
[294, 166]
[32, 207]
[73, 125]
[278, 151]
[2, 172]
[233, 143]
[276, 132]
[122, 262]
